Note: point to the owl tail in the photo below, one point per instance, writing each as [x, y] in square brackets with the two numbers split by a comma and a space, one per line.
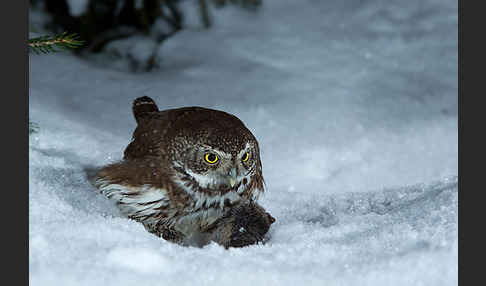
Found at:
[142, 106]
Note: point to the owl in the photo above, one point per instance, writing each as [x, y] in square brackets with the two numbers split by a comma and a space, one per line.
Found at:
[190, 175]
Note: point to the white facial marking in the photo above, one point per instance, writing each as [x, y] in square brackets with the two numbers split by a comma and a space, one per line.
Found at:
[205, 200]
[202, 180]
[247, 147]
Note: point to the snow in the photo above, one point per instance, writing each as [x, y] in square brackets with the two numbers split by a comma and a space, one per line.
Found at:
[354, 104]
[77, 7]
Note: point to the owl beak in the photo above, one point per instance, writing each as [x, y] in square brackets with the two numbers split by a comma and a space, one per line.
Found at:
[232, 174]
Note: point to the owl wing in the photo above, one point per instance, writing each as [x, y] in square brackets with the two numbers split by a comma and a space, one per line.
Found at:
[145, 204]
[136, 197]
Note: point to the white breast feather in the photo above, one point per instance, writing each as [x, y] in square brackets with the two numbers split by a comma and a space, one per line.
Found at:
[205, 200]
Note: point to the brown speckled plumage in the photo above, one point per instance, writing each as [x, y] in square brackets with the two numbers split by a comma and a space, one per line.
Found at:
[164, 182]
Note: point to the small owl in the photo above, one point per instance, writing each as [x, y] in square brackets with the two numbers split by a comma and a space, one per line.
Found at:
[190, 175]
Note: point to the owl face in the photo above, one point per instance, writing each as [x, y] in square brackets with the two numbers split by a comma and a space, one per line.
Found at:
[214, 168]
[200, 150]
[215, 153]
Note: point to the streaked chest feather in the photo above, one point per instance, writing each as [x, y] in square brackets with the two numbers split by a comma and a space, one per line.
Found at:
[153, 206]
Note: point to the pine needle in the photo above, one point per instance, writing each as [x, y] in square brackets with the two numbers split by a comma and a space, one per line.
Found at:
[48, 44]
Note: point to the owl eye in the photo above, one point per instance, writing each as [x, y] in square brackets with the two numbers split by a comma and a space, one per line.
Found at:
[245, 157]
[211, 158]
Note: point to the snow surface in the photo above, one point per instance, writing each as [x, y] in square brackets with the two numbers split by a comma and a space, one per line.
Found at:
[354, 104]
[77, 7]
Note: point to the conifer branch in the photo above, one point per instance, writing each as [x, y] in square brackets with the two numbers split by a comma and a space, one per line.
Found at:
[47, 44]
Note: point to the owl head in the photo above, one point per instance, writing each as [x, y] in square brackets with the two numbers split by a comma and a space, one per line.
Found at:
[215, 151]
[206, 150]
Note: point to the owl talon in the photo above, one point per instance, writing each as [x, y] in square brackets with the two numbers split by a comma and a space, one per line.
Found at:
[171, 235]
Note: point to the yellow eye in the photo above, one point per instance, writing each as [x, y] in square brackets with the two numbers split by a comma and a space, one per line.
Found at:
[211, 158]
[245, 157]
